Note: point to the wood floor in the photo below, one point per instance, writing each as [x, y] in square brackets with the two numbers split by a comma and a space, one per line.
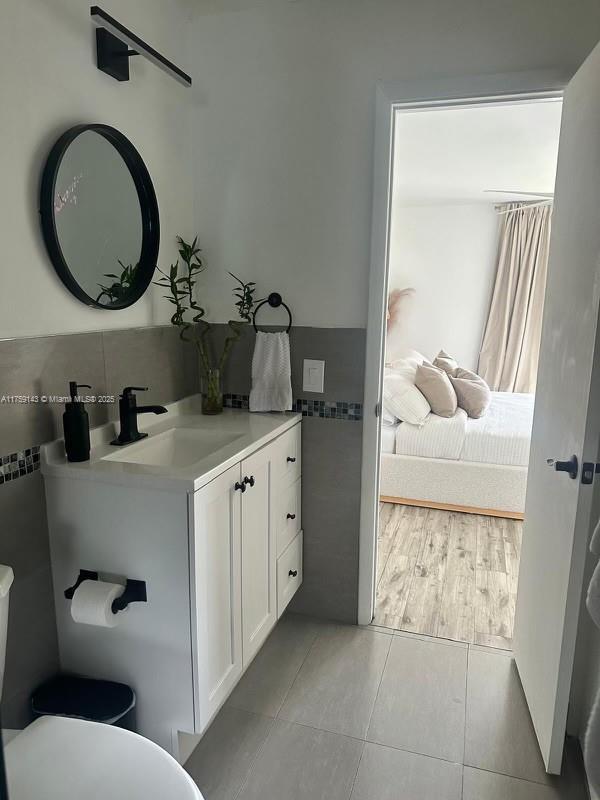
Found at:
[447, 574]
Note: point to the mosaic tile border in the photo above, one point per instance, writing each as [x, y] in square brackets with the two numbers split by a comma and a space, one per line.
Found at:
[17, 465]
[25, 462]
[325, 409]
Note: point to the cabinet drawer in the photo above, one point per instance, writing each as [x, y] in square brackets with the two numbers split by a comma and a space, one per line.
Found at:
[288, 465]
[289, 573]
[288, 520]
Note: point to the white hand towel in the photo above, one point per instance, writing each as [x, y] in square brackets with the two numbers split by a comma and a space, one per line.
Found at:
[271, 373]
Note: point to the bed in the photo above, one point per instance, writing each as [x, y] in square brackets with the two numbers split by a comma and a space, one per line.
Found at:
[470, 465]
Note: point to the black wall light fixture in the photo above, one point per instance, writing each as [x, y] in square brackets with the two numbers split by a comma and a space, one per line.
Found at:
[116, 44]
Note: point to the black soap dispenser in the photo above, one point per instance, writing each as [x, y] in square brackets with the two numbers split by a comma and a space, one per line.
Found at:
[76, 425]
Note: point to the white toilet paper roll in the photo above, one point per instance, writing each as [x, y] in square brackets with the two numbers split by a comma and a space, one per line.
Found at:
[92, 601]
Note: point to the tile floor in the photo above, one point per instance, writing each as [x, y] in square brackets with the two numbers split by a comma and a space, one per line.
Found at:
[334, 712]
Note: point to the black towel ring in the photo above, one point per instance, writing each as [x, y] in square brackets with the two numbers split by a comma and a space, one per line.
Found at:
[274, 300]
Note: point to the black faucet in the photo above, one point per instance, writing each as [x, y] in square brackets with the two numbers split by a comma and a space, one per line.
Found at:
[128, 414]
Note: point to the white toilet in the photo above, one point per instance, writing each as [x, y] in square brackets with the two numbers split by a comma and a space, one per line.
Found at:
[58, 757]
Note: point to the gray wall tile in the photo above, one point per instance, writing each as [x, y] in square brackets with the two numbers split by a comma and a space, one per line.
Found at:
[44, 366]
[152, 357]
[342, 349]
[331, 466]
[331, 462]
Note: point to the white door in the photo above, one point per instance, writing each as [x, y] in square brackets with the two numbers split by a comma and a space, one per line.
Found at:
[566, 423]
[216, 596]
[259, 599]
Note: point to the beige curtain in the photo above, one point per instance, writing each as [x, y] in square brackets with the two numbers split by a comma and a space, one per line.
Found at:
[508, 359]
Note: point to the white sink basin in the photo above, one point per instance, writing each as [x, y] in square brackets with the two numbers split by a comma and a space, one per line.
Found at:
[176, 447]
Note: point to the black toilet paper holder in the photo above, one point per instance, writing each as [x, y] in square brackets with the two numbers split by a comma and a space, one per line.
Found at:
[135, 591]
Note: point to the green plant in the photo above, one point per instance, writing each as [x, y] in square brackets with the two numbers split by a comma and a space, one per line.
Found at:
[188, 315]
[123, 283]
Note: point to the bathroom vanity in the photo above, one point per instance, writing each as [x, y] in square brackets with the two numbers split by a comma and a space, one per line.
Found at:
[206, 511]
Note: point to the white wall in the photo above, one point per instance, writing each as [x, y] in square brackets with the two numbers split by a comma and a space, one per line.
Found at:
[284, 144]
[49, 83]
[447, 253]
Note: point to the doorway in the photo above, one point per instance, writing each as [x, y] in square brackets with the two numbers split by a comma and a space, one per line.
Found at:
[469, 232]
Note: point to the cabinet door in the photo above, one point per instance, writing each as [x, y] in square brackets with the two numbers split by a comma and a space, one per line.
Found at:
[216, 601]
[259, 581]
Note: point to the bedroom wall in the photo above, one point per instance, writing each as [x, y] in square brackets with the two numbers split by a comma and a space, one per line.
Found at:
[447, 253]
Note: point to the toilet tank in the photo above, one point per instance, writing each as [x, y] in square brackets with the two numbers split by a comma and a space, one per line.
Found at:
[6, 579]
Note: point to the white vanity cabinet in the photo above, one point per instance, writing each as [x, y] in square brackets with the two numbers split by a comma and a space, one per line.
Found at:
[234, 583]
[219, 554]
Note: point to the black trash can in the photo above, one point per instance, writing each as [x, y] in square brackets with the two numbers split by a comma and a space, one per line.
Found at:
[86, 698]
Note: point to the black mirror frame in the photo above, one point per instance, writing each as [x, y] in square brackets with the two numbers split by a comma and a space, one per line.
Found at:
[148, 209]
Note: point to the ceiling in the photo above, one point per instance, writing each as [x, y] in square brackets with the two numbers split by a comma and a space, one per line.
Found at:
[454, 155]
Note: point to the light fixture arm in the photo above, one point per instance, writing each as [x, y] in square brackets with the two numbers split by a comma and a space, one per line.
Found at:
[116, 44]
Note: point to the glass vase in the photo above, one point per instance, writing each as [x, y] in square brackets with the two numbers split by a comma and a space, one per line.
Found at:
[212, 392]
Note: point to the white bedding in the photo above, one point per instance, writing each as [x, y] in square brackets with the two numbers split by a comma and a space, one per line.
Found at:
[388, 437]
[502, 436]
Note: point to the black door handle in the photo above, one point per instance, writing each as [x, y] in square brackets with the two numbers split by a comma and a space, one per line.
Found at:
[571, 467]
[291, 516]
[293, 573]
[291, 460]
[240, 486]
[249, 480]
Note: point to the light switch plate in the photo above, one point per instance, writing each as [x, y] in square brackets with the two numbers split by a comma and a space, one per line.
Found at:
[313, 378]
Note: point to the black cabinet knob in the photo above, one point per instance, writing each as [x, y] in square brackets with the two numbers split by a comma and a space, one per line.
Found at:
[291, 516]
[240, 486]
[293, 573]
[291, 460]
[249, 480]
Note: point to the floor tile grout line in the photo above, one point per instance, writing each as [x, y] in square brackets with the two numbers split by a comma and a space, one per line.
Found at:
[362, 752]
[291, 686]
[508, 775]
[254, 760]
[465, 725]
[387, 656]
[367, 741]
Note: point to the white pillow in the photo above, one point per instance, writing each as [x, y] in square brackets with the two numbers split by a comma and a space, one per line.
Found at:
[402, 398]
[410, 357]
[387, 418]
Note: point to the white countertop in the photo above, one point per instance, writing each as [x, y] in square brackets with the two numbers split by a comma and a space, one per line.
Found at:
[254, 429]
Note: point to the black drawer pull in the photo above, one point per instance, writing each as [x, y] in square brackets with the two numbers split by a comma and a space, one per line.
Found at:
[293, 573]
[240, 486]
[249, 480]
[291, 460]
[291, 516]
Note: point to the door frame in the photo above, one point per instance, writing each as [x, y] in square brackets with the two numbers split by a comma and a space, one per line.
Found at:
[410, 95]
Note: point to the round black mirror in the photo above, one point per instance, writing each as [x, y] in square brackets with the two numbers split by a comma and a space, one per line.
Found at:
[99, 216]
